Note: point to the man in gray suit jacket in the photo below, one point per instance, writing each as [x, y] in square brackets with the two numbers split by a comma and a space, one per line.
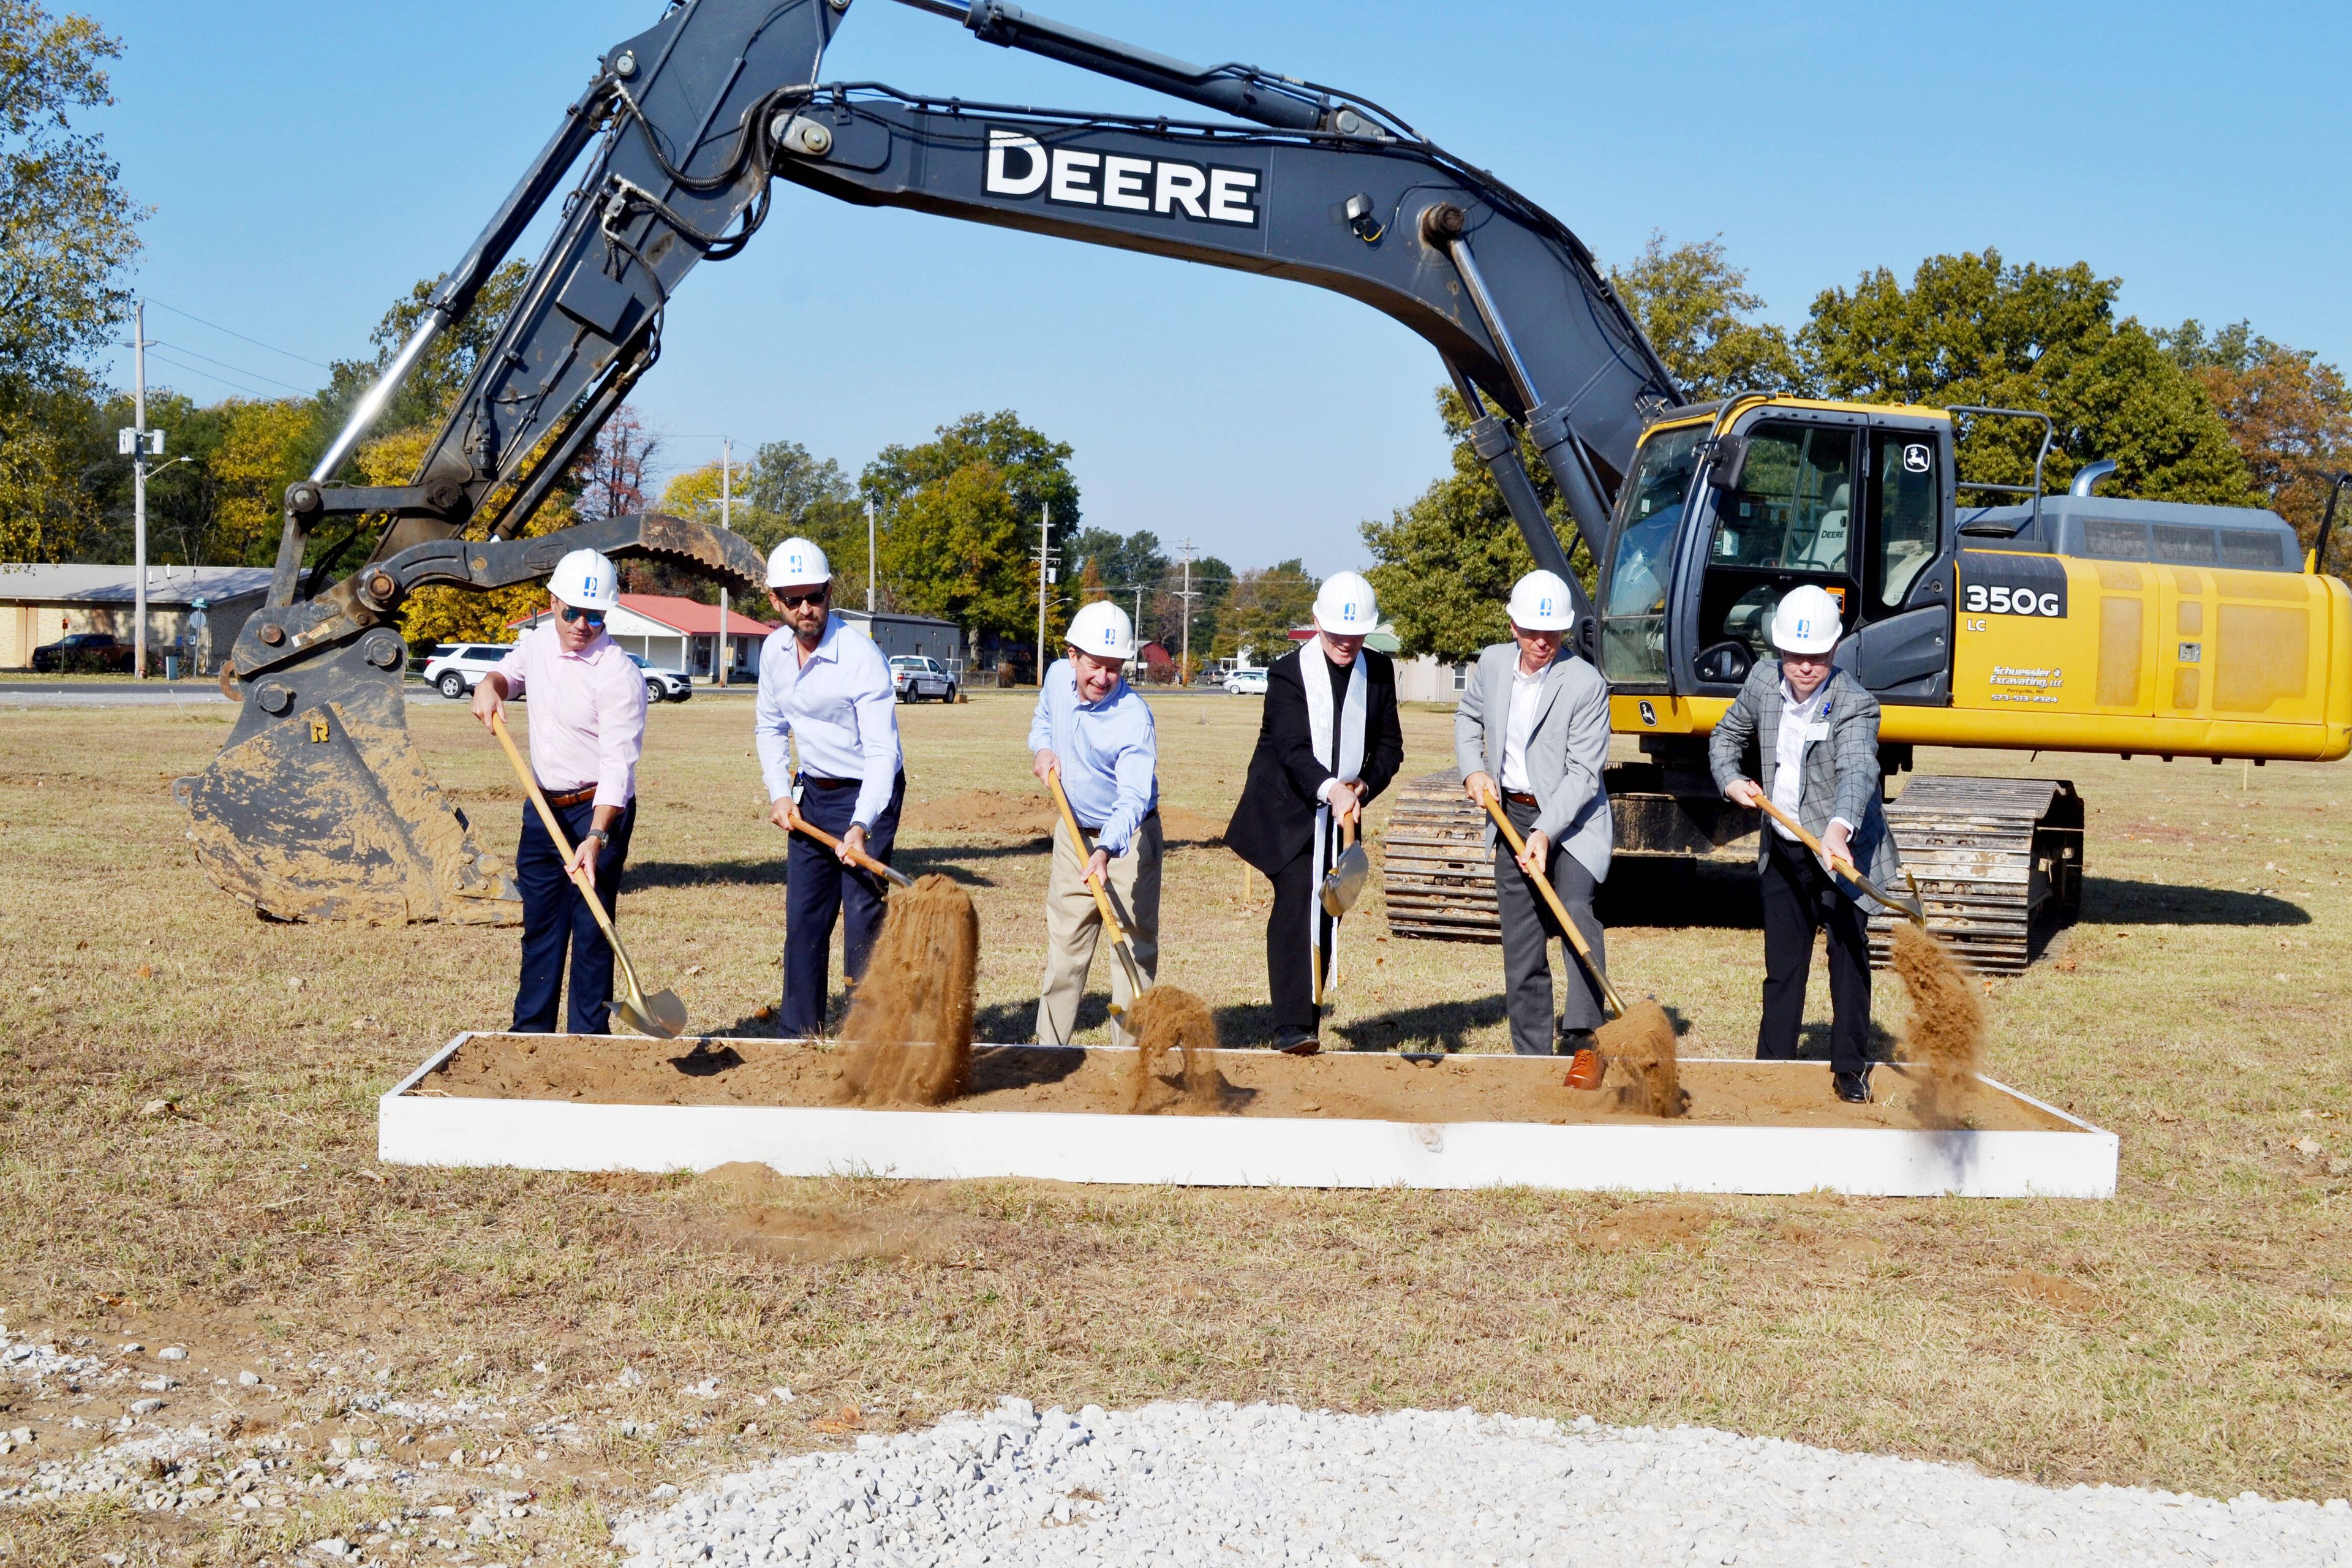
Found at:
[1533, 727]
[1815, 731]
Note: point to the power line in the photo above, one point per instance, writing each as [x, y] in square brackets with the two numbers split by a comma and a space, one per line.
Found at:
[210, 376]
[243, 369]
[257, 342]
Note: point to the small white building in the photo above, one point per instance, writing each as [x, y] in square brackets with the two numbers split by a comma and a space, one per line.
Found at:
[681, 635]
[922, 636]
[1423, 680]
[40, 604]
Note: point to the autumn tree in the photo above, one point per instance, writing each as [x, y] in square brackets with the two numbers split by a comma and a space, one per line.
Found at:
[1973, 329]
[1696, 309]
[68, 233]
[2288, 412]
[1265, 605]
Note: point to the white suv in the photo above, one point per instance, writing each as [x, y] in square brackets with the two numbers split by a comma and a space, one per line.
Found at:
[457, 668]
[917, 676]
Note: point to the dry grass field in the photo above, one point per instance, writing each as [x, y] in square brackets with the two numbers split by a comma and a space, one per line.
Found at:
[533, 1352]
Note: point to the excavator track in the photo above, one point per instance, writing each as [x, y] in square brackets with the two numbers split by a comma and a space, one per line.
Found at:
[1992, 856]
[1437, 876]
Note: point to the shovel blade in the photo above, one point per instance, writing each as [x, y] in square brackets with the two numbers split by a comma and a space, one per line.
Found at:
[1344, 883]
[661, 1015]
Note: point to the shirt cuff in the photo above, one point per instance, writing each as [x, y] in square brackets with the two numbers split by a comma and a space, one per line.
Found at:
[1841, 822]
[1325, 795]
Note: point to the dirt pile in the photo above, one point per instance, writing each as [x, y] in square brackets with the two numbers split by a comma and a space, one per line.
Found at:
[1640, 1050]
[909, 1030]
[1946, 1034]
[1168, 1020]
[746, 1207]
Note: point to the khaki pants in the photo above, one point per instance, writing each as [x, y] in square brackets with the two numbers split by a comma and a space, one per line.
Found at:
[1072, 924]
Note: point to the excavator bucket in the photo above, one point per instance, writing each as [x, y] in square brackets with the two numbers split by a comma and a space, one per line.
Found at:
[319, 807]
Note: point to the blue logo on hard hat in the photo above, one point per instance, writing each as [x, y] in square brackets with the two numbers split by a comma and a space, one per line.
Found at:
[1348, 612]
[1543, 605]
[588, 586]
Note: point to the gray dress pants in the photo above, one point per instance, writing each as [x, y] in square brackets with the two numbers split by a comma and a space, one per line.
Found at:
[1529, 928]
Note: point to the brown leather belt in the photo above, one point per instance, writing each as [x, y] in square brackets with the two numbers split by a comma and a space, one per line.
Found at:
[570, 797]
[1518, 797]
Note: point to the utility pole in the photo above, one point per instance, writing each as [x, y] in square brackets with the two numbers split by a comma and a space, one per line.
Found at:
[1044, 582]
[719, 659]
[869, 556]
[1184, 661]
[139, 489]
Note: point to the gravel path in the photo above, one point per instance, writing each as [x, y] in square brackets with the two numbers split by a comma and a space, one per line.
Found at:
[1216, 1485]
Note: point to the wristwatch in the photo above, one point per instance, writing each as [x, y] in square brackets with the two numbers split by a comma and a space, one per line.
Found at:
[600, 835]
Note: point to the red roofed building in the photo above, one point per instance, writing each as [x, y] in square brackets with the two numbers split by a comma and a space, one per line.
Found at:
[681, 635]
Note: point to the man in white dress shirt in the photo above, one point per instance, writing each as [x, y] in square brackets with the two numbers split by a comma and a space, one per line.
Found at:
[826, 687]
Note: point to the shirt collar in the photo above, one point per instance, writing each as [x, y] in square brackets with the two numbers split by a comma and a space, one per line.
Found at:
[825, 641]
[596, 645]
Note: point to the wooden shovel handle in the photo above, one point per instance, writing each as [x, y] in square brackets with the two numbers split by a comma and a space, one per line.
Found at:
[580, 876]
[1839, 863]
[1078, 839]
[1551, 896]
[803, 824]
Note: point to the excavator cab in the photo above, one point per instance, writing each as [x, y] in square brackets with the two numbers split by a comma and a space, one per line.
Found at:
[1720, 519]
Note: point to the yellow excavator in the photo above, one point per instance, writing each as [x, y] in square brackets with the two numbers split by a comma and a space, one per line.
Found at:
[2033, 621]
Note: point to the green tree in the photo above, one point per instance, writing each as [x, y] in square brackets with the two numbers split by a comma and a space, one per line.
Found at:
[1035, 467]
[1973, 328]
[953, 549]
[1444, 565]
[67, 231]
[1265, 605]
[2288, 412]
[1696, 309]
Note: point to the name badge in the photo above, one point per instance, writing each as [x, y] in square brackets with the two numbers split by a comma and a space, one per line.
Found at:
[1818, 730]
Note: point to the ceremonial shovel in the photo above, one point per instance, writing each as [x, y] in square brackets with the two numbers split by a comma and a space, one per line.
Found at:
[1343, 884]
[1912, 909]
[1135, 984]
[661, 1015]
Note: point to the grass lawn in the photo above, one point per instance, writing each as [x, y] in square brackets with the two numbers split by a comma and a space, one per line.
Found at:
[582, 1339]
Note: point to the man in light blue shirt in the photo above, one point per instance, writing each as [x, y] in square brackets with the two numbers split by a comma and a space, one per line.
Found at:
[826, 687]
[1095, 730]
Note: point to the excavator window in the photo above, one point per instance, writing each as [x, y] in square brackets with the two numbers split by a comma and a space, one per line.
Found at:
[1790, 520]
[1650, 508]
[1906, 511]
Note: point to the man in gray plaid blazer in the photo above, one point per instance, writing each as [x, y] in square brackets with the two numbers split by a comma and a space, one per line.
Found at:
[1815, 731]
[1533, 730]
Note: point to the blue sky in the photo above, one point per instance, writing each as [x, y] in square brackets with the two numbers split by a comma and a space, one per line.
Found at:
[307, 163]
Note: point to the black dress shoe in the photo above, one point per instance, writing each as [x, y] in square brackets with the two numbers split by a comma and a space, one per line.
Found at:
[1298, 1045]
[1854, 1087]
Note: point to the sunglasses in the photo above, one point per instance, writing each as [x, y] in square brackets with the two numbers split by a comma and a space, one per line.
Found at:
[596, 618]
[795, 601]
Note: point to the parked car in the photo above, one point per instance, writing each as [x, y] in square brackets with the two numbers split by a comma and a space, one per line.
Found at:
[663, 684]
[457, 668]
[917, 676]
[85, 651]
[1245, 682]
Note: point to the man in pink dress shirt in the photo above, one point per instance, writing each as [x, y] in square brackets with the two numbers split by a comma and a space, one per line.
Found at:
[587, 730]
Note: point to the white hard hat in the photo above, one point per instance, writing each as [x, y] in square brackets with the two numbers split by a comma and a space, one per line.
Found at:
[1806, 621]
[796, 563]
[1539, 602]
[585, 580]
[1345, 607]
[1103, 630]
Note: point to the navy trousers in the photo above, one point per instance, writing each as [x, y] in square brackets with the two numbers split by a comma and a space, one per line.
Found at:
[819, 889]
[555, 916]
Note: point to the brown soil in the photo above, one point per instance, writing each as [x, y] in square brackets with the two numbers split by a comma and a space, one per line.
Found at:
[1948, 1025]
[910, 1024]
[1640, 1050]
[1167, 1018]
[1067, 1079]
[1005, 813]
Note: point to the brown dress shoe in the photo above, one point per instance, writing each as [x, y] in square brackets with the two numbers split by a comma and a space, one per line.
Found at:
[1584, 1069]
